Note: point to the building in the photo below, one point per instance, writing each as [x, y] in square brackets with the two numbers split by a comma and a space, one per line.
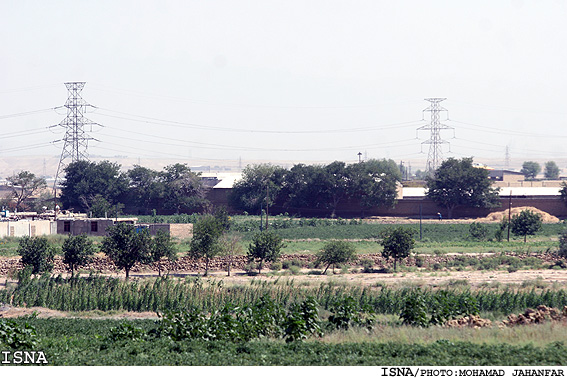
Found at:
[88, 226]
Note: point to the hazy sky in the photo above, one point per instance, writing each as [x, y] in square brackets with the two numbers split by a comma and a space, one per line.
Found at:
[300, 81]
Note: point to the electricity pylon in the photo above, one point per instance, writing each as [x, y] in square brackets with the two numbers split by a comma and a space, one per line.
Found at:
[435, 156]
[75, 139]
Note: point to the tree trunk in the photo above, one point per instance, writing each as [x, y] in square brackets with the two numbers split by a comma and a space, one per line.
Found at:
[395, 265]
[206, 267]
[326, 269]
[127, 272]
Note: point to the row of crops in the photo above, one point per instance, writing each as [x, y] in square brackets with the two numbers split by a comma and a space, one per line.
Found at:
[105, 294]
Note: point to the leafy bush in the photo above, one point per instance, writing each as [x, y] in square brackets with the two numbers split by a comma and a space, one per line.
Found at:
[36, 252]
[302, 321]
[264, 318]
[423, 309]
[126, 331]
[17, 336]
[414, 312]
[367, 265]
[478, 231]
[346, 313]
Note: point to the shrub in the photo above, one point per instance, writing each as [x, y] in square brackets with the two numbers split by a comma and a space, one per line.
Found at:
[276, 266]
[419, 261]
[37, 253]
[367, 265]
[414, 312]
[17, 336]
[478, 231]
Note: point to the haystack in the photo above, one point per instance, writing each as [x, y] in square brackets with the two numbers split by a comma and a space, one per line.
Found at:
[499, 215]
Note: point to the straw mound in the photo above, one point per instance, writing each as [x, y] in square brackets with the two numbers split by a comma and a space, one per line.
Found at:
[498, 216]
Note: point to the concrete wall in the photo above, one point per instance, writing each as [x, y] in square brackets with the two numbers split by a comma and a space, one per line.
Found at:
[410, 207]
[176, 230]
[84, 226]
[26, 228]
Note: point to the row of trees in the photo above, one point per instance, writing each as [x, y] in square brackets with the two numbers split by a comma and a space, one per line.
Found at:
[323, 187]
[530, 169]
[124, 245]
[103, 189]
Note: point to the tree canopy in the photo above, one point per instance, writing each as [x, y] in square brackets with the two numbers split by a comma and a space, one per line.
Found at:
[526, 223]
[206, 239]
[37, 253]
[336, 252]
[103, 189]
[458, 183]
[551, 170]
[266, 246]
[24, 185]
[126, 246]
[87, 183]
[77, 250]
[397, 243]
[530, 169]
[305, 187]
[260, 186]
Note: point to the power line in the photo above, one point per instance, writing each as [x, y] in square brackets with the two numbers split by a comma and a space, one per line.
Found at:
[158, 121]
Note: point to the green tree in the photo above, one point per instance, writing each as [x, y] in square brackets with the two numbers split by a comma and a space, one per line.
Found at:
[86, 182]
[374, 182]
[77, 250]
[266, 246]
[526, 223]
[398, 243]
[336, 252]
[306, 187]
[37, 253]
[458, 183]
[230, 246]
[259, 187]
[183, 190]
[24, 185]
[206, 239]
[551, 171]
[338, 183]
[162, 247]
[126, 246]
[530, 169]
[145, 188]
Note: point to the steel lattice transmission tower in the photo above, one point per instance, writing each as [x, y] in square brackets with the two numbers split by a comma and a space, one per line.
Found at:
[435, 156]
[75, 139]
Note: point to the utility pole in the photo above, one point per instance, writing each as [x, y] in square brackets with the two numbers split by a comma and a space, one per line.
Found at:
[435, 156]
[75, 139]
[359, 157]
[507, 158]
